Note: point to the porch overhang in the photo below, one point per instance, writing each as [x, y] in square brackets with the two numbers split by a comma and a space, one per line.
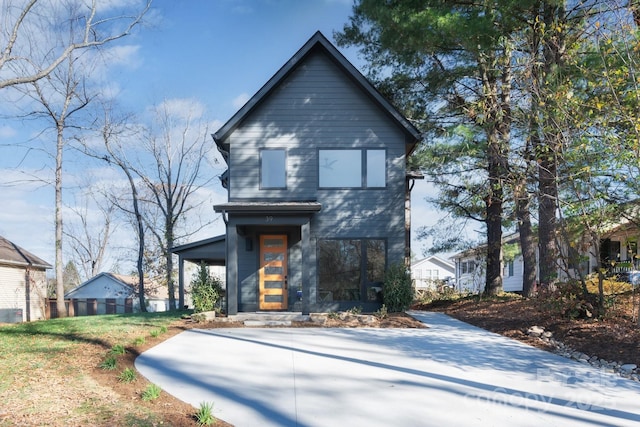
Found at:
[209, 251]
[268, 208]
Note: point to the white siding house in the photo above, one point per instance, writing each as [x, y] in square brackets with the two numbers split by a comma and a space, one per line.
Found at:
[430, 271]
[108, 286]
[23, 284]
[619, 254]
[470, 268]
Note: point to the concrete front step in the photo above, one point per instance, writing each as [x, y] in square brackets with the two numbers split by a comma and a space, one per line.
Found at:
[258, 323]
[262, 316]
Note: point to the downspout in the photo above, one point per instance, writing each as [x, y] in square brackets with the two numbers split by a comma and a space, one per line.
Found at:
[407, 222]
[409, 184]
[27, 289]
[223, 213]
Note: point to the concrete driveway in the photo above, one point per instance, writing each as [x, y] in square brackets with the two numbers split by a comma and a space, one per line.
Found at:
[451, 374]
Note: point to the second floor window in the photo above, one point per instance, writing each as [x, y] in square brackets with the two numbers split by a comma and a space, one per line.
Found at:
[352, 168]
[273, 170]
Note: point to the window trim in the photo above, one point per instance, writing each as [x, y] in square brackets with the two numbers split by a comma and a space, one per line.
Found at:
[264, 187]
[364, 164]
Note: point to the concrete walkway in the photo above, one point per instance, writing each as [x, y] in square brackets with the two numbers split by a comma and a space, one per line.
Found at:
[451, 374]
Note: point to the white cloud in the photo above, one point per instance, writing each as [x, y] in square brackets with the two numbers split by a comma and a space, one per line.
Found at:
[185, 108]
[240, 100]
[7, 132]
[124, 55]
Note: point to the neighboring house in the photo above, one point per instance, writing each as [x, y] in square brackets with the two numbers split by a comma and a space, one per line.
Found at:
[470, 267]
[23, 284]
[116, 293]
[432, 271]
[318, 188]
[619, 256]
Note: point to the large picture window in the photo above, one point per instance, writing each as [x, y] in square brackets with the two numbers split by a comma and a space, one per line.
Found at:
[350, 269]
[273, 170]
[352, 168]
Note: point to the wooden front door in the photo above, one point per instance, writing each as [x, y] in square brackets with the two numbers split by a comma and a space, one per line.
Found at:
[273, 272]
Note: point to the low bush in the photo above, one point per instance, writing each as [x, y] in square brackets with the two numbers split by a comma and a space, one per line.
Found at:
[152, 392]
[397, 292]
[382, 313]
[118, 349]
[128, 375]
[355, 310]
[204, 416]
[205, 290]
[568, 300]
[109, 363]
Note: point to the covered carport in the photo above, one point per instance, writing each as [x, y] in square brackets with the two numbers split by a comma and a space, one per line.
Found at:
[210, 251]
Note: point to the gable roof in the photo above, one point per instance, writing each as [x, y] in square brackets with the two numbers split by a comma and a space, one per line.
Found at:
[481, 250]
[12, 254]
[130, 283]
[318, 41]
[433, 259]
[124, 281]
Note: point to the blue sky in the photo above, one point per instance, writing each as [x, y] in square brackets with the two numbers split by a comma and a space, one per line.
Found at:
[216, 53]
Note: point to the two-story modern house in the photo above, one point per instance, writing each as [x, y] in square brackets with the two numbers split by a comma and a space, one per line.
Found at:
[318, 188]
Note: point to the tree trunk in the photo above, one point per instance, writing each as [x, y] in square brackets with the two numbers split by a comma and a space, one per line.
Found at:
[497, 104]
[60, 305]
[170, 284]
[527, 241]
[547, 223]
[493, 284]
[553, 51]
[140, 225]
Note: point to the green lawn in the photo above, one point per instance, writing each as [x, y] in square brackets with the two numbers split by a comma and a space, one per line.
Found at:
[45, 369]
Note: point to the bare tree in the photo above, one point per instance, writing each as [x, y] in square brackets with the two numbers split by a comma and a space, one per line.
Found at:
[178, 149]
[89, 235]
[59, 89]
[115, 135]
[61, 97]
[29, 47]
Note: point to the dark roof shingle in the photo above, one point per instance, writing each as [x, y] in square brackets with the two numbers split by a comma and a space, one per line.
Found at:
[12, 254]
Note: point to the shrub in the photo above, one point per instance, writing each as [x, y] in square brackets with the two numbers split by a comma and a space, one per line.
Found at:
[118, 349]
[568, 300]
[152, 392]
[109, 364]
[397, 292]
[355, 310]
[205, 290]
[382, 313]
[128, 375]
[204, 415]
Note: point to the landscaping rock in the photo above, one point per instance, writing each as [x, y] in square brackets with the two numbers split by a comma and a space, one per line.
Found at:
[535, 331]
[628, 368]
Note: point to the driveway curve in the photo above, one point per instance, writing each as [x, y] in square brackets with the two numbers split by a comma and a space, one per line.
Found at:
[449, 374]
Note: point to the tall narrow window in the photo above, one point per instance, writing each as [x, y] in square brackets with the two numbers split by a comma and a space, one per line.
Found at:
[273, 170]
[376, 168]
